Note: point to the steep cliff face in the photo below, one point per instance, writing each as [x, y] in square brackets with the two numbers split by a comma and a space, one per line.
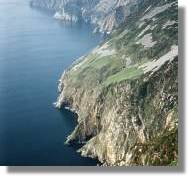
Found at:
[47, 4]
[125, 91]
[105, 15]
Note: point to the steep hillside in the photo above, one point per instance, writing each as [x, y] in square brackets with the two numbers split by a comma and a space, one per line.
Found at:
[125, 92]
[105, 15]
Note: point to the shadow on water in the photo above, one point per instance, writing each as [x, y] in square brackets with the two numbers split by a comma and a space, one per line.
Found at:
[71, 121]
[181, 166]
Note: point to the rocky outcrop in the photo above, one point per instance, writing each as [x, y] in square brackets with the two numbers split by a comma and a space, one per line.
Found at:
[105, 15]
[125, 91]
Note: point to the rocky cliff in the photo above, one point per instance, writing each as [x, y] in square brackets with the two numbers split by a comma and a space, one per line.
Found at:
[105, 15]
[125, 92]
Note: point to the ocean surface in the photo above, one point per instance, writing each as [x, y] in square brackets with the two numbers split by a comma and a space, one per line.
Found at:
[35, 49]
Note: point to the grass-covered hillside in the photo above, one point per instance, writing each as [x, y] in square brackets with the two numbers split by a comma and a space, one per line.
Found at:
[146, 37]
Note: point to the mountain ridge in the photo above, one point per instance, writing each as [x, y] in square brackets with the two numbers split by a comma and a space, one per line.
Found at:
[104, 15]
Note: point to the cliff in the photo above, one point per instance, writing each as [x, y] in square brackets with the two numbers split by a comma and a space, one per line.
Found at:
[125, 92]
[105, 15]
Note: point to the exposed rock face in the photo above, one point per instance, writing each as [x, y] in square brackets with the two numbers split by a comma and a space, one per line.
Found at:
[125, 91]
[103, 14]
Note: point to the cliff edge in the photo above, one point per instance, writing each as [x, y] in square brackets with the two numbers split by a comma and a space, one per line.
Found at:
[125, 91]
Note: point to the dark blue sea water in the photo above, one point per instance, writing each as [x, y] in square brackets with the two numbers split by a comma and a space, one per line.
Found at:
[34, 51]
